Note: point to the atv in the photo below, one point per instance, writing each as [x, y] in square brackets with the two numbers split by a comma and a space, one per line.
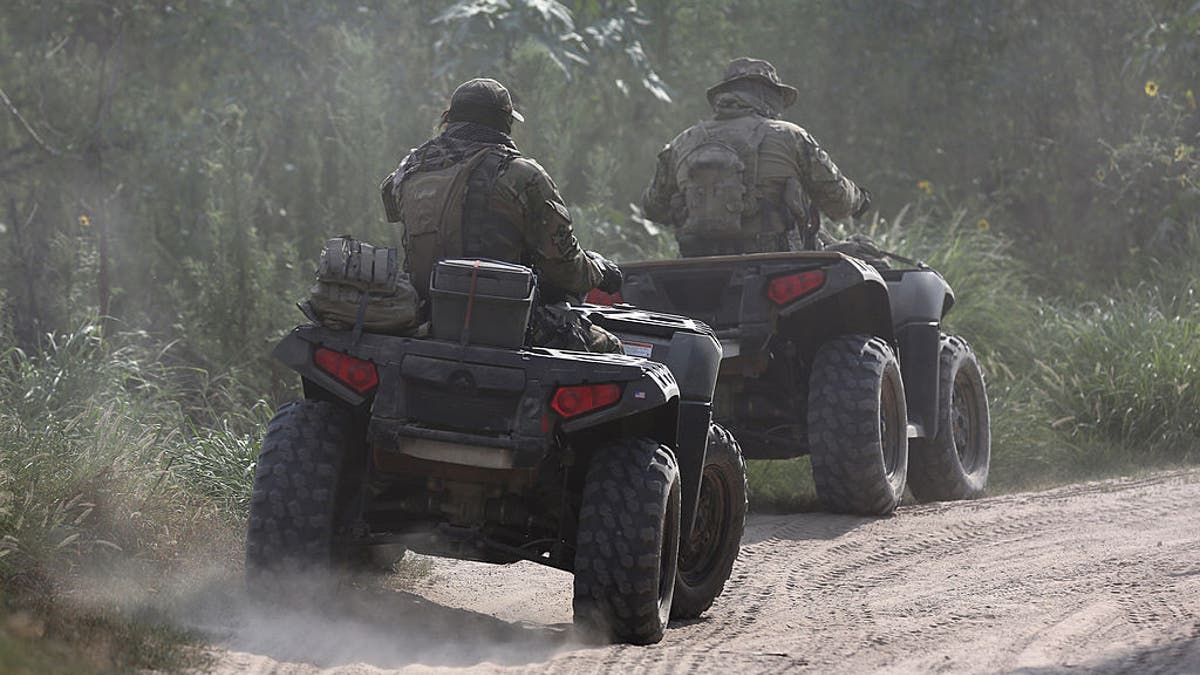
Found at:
[840, 359]
[471, 444]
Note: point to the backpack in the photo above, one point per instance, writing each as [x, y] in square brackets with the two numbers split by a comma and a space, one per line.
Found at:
[717, 173]
[357, 282]
[431, 208]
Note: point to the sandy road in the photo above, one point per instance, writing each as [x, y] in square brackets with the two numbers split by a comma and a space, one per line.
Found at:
[1097, 577]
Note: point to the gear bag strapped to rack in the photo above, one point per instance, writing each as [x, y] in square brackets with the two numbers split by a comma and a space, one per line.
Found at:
[360, 286]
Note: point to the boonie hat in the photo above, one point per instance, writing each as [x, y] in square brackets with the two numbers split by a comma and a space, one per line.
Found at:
[745, 68]
[483, 93]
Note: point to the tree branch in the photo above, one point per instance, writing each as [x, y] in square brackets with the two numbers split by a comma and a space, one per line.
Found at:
[12, 108]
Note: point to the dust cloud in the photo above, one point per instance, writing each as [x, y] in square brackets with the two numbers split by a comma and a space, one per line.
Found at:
[373, 621]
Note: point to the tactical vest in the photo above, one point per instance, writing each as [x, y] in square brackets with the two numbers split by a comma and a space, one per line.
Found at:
[717, 173]
[446, 214]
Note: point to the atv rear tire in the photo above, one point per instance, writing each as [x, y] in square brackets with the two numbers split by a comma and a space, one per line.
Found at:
[857, 426]
[706, 557]
[290, 551]
[627, 549]
[954, 464]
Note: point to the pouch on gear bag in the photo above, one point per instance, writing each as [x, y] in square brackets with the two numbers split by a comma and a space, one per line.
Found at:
[357, 281]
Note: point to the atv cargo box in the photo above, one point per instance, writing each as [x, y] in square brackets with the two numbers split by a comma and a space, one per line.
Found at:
[489, 301]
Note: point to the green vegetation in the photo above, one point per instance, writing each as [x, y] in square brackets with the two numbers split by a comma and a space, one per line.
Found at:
[170, 169]
[110, 459]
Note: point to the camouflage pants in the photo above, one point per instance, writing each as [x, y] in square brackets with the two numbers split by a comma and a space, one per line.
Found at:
[557, 326]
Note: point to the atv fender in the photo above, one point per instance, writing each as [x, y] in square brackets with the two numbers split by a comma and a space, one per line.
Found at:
[655, 390]
[853, 299]
[296, 353]
[693, 354]
[919, 300]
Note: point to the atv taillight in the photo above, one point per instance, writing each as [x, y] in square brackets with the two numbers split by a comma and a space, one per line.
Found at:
[599, 297]
[783, 290]
[572, 401]
[357, 374]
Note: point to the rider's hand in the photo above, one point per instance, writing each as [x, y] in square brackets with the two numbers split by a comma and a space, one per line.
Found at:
[864, 205]
[611, 281]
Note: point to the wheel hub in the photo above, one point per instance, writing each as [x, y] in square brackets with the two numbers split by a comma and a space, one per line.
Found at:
[700, 556]
[962, 423]
[889, 430]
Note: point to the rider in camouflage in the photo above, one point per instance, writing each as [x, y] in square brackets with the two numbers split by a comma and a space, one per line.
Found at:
[738, 183]
[469, 192]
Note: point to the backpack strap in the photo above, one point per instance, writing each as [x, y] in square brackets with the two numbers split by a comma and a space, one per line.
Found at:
[433, 219]
[750, 155]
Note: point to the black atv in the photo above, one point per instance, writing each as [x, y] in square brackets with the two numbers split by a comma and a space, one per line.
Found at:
[470, 445]
[842, 360]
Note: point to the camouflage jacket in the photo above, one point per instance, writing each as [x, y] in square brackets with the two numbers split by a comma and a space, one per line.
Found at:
[528, 221]
[792, 171]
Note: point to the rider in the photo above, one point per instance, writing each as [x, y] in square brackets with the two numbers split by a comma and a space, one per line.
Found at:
[738, 183]
[468, 192]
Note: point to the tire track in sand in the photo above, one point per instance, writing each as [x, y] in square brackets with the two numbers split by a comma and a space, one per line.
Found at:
[1103, 576]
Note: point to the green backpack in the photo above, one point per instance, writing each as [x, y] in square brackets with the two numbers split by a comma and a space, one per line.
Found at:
[717, 173]
[430, 205]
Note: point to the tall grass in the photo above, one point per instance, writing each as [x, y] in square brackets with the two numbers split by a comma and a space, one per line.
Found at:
[98, 455]
[107, 462]
[1127, 369]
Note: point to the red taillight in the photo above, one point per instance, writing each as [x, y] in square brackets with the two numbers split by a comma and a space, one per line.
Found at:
[357, 374]
[783, 290]
[572, 401]
[599, 297]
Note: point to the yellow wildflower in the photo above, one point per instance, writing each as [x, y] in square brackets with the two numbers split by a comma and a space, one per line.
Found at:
[1100, 175]
[84, 221]
[1151, 88]
[1191, 99]
[983, 225]
[1182, 152]
[925, 186]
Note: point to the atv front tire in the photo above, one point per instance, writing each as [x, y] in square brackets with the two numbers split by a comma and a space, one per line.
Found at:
[706, 557]
[290, 551]
[857, 426]
[627, 549]
[954, 464]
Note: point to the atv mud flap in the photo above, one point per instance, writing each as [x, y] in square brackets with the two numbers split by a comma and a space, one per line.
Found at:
[692, 440]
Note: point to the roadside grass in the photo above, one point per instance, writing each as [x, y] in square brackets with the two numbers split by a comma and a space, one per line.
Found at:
[782, 485]
[102, 468]
[49, 637]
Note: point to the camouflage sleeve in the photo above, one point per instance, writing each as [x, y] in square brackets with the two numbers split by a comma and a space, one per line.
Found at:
[551, 239]
[656, 200]
[835, 194]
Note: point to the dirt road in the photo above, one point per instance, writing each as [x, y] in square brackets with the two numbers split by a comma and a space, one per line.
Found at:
[1099, 577]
